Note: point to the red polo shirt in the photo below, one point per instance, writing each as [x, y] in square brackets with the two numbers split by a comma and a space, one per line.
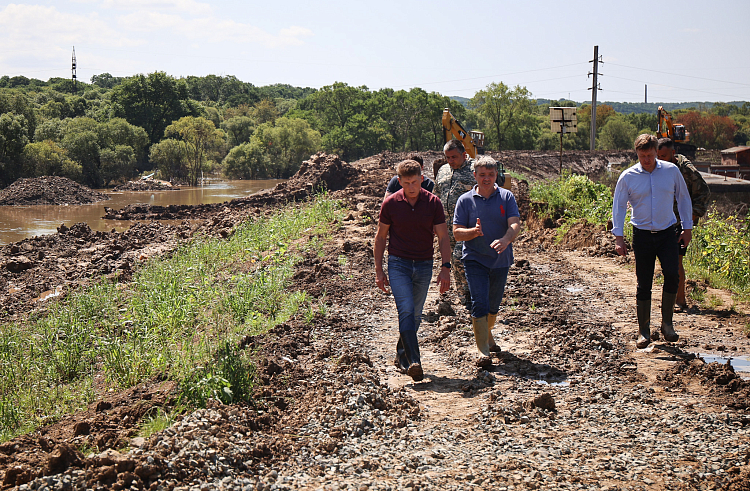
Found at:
[410, 232]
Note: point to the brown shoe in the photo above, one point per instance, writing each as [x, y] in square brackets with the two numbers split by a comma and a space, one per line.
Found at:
[415, 372]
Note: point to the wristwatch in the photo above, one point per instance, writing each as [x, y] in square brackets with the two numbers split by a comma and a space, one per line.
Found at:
[446, 265]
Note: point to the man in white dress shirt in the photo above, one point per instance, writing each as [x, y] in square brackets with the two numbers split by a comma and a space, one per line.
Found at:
[651, 187]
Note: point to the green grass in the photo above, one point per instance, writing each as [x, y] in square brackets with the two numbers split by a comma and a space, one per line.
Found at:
[179, 318]
[719, 253]
[572, 197]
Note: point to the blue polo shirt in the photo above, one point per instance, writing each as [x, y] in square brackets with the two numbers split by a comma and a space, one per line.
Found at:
[493, 212]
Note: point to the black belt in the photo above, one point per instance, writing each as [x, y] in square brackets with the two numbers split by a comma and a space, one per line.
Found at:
[671, 228]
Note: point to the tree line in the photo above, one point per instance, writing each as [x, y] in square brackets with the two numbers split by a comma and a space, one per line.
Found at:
[117, 128]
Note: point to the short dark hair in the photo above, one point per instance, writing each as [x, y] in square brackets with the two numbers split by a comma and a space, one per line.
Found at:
[408, 168]
[487, 162]
[416, 157]
[645, 142]
[454, 145]
[664, 143]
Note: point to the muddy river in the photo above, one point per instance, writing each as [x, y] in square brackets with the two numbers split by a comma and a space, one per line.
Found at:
[20, 222]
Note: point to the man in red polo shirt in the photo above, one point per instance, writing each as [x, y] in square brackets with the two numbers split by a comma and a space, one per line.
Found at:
[407, 218]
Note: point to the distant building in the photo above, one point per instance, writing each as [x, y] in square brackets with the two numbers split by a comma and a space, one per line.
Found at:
[735, 162]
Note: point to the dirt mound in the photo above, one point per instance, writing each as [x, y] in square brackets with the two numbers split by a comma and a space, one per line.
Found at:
[36, 270]
[48, 190]
[145, 185]
[544, 165]
[593, 240]
[727, 386]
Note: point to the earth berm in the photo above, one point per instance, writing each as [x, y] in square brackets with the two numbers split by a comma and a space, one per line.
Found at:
[568, 404]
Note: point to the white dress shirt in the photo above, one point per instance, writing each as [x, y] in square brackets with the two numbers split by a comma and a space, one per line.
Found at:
[652, 195]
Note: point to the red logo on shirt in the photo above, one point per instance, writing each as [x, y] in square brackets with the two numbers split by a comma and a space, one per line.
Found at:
[502, 210]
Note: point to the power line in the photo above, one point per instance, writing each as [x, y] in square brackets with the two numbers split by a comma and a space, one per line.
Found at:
[679, 75]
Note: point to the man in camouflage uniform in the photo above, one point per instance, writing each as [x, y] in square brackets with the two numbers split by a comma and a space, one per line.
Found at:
[699, 193]
[451, 182]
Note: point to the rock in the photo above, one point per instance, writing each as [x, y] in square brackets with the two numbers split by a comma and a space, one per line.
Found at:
[19, 264]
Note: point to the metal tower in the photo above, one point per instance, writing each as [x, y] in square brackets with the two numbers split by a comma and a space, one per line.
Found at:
[74, 78]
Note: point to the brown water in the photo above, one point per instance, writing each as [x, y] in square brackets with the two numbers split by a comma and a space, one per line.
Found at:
[20, 222]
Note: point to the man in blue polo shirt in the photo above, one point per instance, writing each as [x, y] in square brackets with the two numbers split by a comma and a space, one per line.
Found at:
[651, 187]
[486, 218]
[407, 220]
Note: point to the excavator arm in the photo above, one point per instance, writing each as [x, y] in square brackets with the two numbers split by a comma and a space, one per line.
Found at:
[473, 142]
[665, 128]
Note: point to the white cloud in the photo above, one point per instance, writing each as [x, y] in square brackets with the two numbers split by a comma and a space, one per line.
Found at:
[188, 6]
[40, 38]
[33, 27]
[212, 29]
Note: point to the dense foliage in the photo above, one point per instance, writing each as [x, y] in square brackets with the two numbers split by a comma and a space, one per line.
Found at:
[116, 128]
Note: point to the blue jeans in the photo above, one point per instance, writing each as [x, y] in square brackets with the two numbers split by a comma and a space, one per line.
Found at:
[409, 282]
[486, 286]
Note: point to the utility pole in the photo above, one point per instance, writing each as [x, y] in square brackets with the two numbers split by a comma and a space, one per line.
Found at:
[645, 94]
[74, 78]
[594, 87]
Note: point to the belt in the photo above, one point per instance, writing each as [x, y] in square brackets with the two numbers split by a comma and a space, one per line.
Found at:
[671, 228]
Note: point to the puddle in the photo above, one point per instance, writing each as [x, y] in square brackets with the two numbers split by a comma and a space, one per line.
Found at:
[551, 382]
[564, 383]
[741, 364]
[573, 289]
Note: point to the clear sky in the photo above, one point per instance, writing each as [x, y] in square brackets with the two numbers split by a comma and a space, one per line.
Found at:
[683, 50]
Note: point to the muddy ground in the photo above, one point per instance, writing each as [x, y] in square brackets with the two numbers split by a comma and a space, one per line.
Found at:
[48, 190]
[568, 369]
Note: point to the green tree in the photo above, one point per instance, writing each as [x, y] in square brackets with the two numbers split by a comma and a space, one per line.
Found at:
[199, 138]
[169, 159]
[20, 104]
[117, 132]
[617, 134]
[287, 144]
[265, 112]
[247, 161]
[116, 163]
[506, 111]
[13, 138]
[348, 124]
[153, 102]
[46, 158]
[239, 129]
[82, 147]
[106, 80]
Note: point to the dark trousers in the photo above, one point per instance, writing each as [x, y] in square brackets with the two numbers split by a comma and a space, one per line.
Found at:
[648, 246]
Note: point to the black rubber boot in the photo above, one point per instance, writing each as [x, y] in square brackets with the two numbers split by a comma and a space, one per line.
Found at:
[401, 363]
[667, 309]
[411, 345]
[644, 322]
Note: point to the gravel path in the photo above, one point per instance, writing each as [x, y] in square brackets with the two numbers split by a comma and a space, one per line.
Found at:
[565, 407]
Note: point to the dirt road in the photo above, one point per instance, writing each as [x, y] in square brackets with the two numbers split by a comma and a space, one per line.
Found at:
[569, 403]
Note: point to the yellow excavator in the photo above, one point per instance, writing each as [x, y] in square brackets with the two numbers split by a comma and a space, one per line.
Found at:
[473, 140]
[676, 132]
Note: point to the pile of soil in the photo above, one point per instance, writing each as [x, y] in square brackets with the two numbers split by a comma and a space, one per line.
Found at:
[545, 165]
[48, 190]
[145, 185]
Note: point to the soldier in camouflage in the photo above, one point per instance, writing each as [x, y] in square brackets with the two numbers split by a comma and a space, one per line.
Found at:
[451, 182]
[699, 194]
